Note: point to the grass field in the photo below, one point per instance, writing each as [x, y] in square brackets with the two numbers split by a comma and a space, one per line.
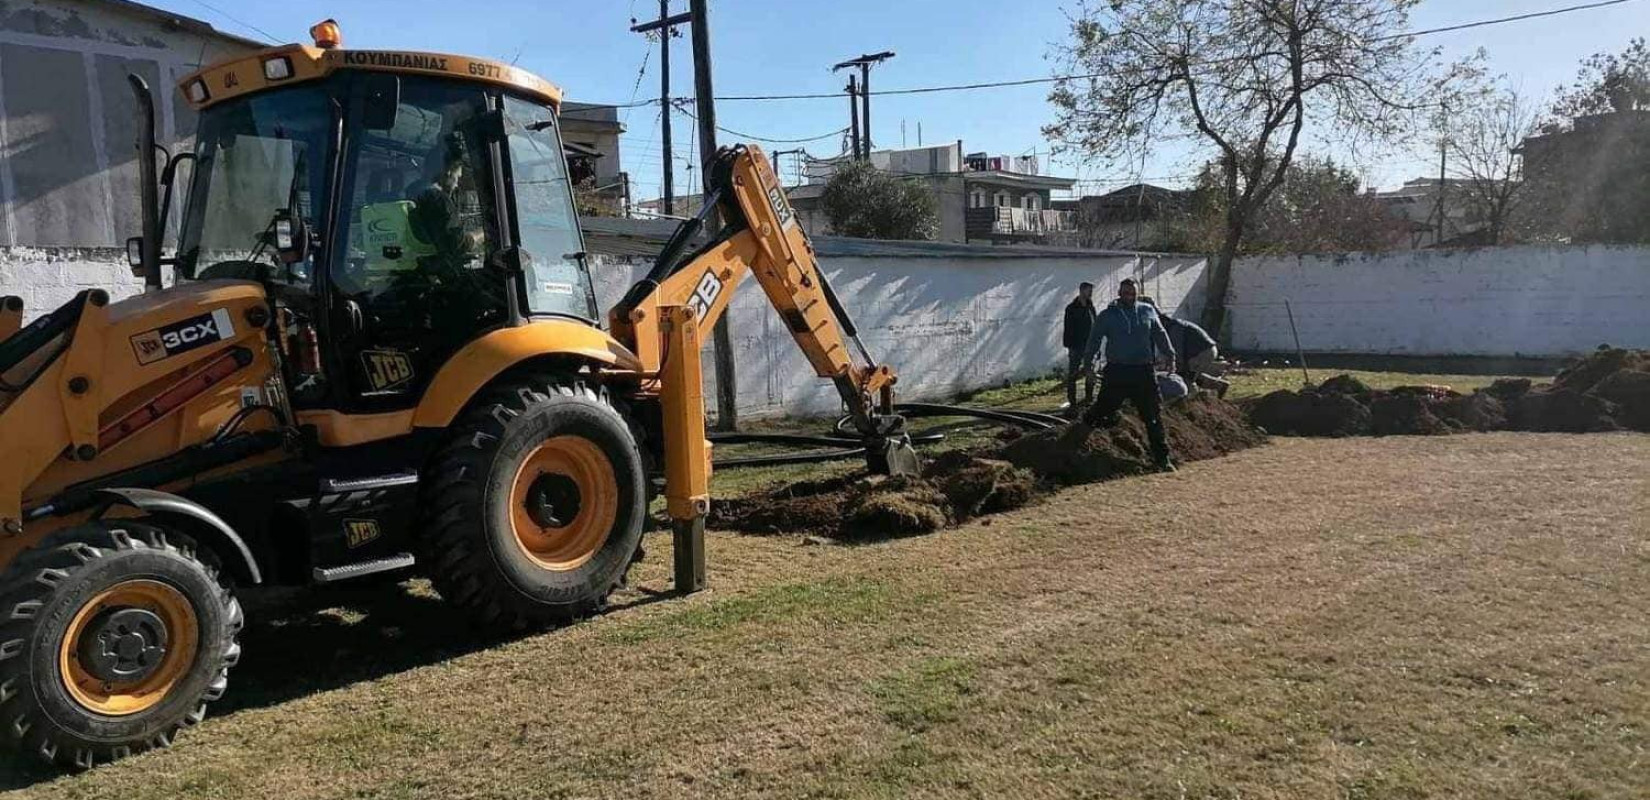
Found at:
[1362, 618]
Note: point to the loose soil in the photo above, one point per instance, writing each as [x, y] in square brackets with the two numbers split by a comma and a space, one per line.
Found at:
[960, 485]
[1608, 390]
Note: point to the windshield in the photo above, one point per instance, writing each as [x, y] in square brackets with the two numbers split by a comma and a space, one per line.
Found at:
[557, 280]
[256, 156]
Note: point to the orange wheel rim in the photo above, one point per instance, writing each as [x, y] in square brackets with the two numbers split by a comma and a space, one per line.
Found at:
[563, 502]
[127, 647]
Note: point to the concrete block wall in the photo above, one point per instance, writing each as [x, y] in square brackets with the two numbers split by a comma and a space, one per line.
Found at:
[945, 324]
[48, 277]
[1512, 301]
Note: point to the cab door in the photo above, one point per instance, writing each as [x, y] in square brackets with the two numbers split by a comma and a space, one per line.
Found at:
[417, 235]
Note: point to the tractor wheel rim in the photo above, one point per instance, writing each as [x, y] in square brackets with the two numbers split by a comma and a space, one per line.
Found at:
[128, 647]
[563, 502]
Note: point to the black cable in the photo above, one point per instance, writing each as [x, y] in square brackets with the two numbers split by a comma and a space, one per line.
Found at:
[240, 417]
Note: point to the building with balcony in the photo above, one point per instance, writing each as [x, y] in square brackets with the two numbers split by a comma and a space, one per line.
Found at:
[981, 198]
[590, 136]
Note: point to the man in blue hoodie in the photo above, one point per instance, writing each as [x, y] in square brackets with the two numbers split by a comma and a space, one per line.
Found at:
[1133, 340]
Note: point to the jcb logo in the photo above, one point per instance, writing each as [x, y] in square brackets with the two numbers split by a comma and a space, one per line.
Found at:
[183, 336]
[358, 532]
[203, 331]
[386, 369]
[705, 294]
[781, 208]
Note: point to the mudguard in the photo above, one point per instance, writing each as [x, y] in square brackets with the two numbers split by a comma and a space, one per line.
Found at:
[485, 358]
[226, 541]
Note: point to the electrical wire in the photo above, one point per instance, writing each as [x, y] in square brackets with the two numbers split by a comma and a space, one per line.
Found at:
[961, 87]
[681, 107]
[232, 18]
[1503, 20]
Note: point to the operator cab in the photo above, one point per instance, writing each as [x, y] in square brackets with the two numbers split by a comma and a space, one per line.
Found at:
[396, 205]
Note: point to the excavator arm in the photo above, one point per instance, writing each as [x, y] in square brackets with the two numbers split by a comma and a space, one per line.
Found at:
[760, 236]
[661, 317]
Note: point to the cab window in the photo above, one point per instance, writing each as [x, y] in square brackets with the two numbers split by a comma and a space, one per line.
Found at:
[557, 279]
[419, 228]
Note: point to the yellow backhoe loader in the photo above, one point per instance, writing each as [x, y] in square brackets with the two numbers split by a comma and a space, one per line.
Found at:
[380, 348]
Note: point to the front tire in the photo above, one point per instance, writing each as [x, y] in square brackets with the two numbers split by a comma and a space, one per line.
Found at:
[534, 508]
[114, 638]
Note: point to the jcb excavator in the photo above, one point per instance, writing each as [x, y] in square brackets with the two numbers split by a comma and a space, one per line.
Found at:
[380, 347]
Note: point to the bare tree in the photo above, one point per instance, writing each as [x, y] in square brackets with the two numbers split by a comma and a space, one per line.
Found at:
[1481, 141]
[1243, 77]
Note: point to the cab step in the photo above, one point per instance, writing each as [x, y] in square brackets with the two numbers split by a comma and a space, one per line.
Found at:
[369, 483]
[359, 569]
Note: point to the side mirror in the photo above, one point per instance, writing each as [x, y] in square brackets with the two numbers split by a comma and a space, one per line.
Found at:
[134, 256]
[383, 101]
[291, 237]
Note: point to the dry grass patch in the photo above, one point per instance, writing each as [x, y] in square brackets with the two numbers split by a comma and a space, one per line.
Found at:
[1366, 618]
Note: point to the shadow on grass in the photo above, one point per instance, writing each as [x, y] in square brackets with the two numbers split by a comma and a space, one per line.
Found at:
[299, 642]
[315, 640]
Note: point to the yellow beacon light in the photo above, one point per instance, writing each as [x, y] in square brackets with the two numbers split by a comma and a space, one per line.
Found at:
[326, 34]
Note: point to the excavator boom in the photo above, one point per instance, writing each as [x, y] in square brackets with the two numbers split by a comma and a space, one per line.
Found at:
[762, 236]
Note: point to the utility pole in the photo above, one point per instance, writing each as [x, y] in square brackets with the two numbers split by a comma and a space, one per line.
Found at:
[1443, 173]
[853, 116]
[865, 63]
[666, 26]
[727, 396]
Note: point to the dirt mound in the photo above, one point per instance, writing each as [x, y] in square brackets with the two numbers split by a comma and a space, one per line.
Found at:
[1479, 411]
[1397, 412]
[1607, 391]
[1311, 413]
[954, 487]
[1344, 384]
[1200, 427]
[1629, 389]
[1562, 411]
[959, 485]
[1584, 374]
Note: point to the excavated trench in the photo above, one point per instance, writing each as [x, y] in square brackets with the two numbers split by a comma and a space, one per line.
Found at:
[959, 485]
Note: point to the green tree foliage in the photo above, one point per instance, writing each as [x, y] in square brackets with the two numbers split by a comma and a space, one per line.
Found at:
[868, 203]
[1243, 79]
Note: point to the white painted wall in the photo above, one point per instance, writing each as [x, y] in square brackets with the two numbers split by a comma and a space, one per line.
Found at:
[944, 324]
[48, 277]
[1512, 301]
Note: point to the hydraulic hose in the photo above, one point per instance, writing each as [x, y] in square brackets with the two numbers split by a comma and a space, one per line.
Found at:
[853, 445]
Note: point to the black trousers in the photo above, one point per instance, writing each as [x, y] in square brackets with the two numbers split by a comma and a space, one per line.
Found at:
[1136, 384]
[1078, 366]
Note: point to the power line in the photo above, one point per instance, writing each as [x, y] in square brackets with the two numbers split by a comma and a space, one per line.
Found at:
[249, 26]
[770, 140]
[1502, 20]
[961, 87]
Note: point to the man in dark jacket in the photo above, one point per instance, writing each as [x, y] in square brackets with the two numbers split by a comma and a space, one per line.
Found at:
[1133, 341]
[1195, 354]
[1075, 336]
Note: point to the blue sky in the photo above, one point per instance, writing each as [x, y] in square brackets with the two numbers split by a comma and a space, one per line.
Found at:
[787, 47]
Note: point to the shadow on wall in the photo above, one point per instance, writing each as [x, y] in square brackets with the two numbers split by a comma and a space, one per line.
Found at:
[944, 325]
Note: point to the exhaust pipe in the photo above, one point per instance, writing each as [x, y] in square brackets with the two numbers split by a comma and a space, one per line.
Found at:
[147, 261]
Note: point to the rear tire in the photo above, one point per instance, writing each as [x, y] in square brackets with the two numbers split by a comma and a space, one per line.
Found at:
[114, 638]
[534, 507]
